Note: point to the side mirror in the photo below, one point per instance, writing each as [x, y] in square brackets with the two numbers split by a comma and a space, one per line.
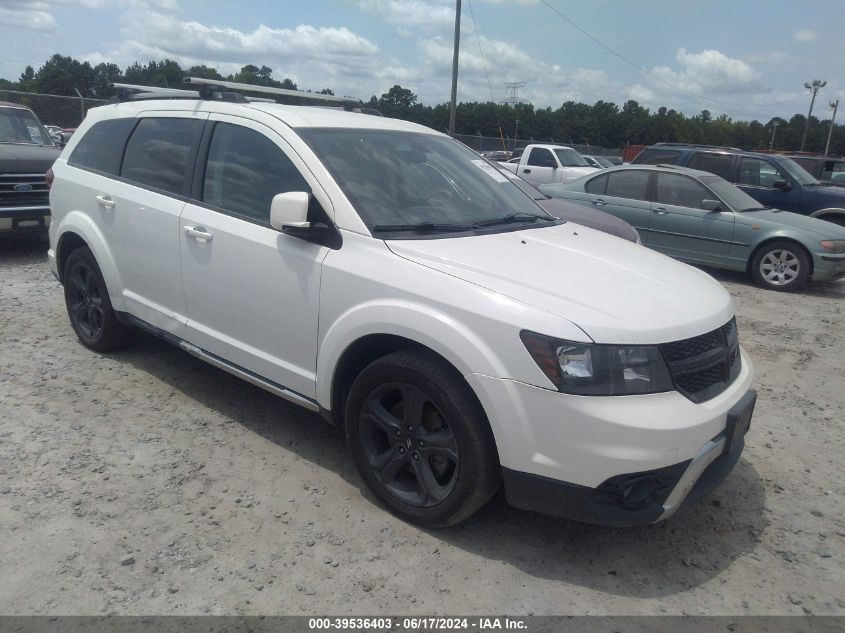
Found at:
[711, 205]
[782, 184]
[290, 210]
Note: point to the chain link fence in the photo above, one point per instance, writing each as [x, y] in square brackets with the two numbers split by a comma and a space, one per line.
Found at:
[494, 143]
[64, 112]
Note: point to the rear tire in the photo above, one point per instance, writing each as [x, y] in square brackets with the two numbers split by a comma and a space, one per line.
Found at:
[420, 439]
[88, 305]
[783, 266]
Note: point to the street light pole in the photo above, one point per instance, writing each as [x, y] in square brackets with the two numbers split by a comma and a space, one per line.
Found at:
[453, 102]
[774, 130]
[817, 83]
[834, 105]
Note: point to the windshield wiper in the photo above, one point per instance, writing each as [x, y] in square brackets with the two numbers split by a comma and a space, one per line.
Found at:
[758, 209]
[424, 227]
[520, 216]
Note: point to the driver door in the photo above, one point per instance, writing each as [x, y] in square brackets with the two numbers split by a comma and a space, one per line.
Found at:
[252, 292]
[540, 166]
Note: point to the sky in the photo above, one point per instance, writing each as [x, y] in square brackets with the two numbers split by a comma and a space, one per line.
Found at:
[748, 59]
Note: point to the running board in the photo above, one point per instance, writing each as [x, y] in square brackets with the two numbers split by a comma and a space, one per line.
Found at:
[221, 363]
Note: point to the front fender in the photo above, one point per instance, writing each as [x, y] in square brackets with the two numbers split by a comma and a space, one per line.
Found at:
[453, 340]
[78, 223]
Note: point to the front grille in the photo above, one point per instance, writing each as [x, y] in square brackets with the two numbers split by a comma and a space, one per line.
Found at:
[703, 366]
[23, 190]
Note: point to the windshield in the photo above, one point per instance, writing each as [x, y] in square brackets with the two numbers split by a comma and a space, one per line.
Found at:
[570, 158]
[522, 184]
[406, 178]
[798, 173]
[19, 125]
[735, 198]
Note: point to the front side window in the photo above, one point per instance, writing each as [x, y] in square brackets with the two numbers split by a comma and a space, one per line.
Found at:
[541, 157]
[102, 146]
[628, 184]
[408, 178]
[680, 191]
[245, 170]
[758, 173]
[719, 164]
[158, 151]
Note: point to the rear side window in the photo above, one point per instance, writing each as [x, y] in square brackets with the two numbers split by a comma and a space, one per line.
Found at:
[596, 185]
[681, 191]
[719, 164]
[102, 146]
[158, 151]
[658, 157]
[245, 169]
[628, 184]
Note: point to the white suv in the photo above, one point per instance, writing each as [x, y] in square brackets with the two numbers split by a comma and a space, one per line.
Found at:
[384, 275]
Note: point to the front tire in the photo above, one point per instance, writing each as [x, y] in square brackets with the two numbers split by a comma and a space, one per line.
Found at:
[782, 266]
[88, 305]
[420, 439]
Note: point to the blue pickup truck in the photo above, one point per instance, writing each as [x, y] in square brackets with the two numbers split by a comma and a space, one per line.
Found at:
[773, 180]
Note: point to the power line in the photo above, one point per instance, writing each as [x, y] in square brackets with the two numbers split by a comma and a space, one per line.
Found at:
[480, 50]
[657, 77]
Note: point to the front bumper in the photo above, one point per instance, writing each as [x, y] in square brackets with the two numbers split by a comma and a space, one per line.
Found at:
[827, 266]
[640, 498]
[24, 219]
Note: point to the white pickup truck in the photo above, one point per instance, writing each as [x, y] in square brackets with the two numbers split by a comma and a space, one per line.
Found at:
[545, 164]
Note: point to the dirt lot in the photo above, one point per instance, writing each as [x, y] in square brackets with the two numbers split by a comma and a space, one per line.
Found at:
[147, 482]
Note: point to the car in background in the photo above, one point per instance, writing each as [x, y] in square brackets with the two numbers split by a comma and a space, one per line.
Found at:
[56, 134]
[597, 161]
[700, 218]
[615, 160]
[577, 213]
[827, 169]
[771, 179]
[540, 164]
[26, 153]
[498, 155]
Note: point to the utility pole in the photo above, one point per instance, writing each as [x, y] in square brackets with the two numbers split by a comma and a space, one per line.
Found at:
[774, 130]
[814, 87]
[453, 102]
[834, 105]
[514, 137]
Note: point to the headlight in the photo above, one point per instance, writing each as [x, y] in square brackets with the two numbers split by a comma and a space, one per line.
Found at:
[837, 246]
[598, 370]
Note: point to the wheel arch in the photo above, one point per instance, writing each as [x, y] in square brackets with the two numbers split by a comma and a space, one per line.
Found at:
[78, 230]
[827, 214]
[777, 238]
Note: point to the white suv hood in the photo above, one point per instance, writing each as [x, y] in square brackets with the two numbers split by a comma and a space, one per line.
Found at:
[616, 291]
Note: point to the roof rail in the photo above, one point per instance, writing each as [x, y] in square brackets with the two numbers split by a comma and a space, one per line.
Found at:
[733, 149]
[208, 87]
[136, 92]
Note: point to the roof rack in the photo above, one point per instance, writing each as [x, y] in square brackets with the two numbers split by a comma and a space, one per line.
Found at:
[219, 90]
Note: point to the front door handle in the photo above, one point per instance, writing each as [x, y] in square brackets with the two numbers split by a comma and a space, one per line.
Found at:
[526, 171]
[660, 210]
[105, 201]
[598, 202]
[199, 233]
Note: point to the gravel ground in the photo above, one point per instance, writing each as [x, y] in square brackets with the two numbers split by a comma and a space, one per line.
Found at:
[146, 482]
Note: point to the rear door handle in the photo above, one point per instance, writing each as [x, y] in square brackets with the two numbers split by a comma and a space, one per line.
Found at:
[105, 201]
[598, 202]
[660, 210]
[199, 233]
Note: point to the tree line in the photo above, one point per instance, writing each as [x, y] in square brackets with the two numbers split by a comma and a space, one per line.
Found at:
[603, 123]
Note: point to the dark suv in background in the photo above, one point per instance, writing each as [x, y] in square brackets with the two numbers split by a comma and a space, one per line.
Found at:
[771, 179]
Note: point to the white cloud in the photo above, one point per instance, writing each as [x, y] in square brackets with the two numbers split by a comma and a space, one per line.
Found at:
[37, 15]
[804, 35]
[409, 14]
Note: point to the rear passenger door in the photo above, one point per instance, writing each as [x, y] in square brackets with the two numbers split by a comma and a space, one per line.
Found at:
[624, 194]
[138, 214]
[681, 228]
[252, 292]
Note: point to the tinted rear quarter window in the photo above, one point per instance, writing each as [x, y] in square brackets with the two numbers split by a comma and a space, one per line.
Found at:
[158, 151]
[102, 146]
[719, 164]
[596, 185]
[658, 157]
[628, 184]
